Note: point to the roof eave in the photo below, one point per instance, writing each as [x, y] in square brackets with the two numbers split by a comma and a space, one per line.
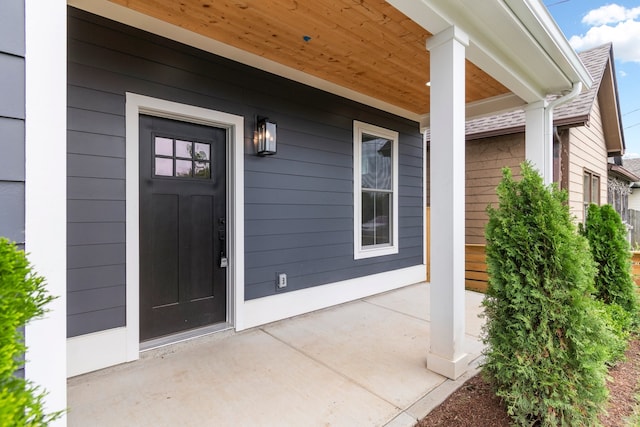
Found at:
[622, 172]
[516, 26]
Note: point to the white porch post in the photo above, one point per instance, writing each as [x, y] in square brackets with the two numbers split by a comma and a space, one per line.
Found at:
[46, 192]
[446, 354]
[538, 143]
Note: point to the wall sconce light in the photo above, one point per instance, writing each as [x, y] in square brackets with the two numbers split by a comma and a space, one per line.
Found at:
[266, 137]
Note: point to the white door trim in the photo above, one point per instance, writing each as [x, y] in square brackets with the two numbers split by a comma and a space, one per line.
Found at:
[140, 104]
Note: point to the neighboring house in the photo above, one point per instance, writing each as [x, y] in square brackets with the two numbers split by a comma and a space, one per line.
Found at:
[586, 132]
[633, 166]
[619, 181]
[130, 167]
[633, 200]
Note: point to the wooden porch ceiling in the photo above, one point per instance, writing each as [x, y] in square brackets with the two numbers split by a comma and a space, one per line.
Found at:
[366, 46]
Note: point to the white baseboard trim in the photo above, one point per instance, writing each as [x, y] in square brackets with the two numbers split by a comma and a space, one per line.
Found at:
[281, 306]
[90, 352]
[98, 350]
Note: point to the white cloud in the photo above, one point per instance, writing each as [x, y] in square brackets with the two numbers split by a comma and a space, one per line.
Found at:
[631, 156]
[610, 14]
[612, 23]
[622, 73]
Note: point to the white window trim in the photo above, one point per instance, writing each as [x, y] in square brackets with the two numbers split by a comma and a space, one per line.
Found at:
[360, 252]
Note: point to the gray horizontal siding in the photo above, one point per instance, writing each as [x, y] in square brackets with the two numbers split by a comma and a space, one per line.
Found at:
[12, 149]
[12, 27]
[99, 320]
[95, 211]
[12, 86]
[81, 256]
[90, 300]
[12, 210]
[104, 276]
[94, 144]
[299, 203]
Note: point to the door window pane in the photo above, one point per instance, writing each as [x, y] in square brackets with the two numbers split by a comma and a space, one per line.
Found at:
[201, 151]
[201, 169]
[164, 147]
[183, 167]
[184, 149]
[164, 167]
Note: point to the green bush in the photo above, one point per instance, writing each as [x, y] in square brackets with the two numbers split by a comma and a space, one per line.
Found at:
[611, 252]
[619, 322]
[22, 297]
[546, 342]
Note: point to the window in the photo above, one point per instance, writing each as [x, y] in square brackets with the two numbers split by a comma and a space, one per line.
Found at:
[375, 168]
[182, 159]
[591, 190]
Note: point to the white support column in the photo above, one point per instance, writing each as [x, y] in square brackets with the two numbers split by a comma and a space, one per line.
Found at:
[446, 354]
[538, 142]
[46, 192]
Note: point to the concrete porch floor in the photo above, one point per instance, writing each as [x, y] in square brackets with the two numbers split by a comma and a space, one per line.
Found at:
[358, 364]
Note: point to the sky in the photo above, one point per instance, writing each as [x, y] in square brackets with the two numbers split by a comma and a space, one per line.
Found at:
[590, 23]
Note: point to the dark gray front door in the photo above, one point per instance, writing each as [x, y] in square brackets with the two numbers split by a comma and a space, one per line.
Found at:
[182, 226]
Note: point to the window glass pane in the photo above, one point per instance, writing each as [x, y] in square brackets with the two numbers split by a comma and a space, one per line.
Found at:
[164, 167]
[586, 188]
[376, 218]
[202, 170]
[183, 149]
[383, 234]
[376, 162]
[368, 218]
[164, 146]
[595, 190]
[202, 151]
[183, 167]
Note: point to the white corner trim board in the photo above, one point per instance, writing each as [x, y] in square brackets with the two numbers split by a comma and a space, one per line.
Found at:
[45, 194]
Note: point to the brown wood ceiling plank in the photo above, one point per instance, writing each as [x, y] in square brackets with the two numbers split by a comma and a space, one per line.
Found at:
[369, 47]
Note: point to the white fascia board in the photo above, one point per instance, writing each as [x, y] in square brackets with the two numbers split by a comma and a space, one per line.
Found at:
[144, 22]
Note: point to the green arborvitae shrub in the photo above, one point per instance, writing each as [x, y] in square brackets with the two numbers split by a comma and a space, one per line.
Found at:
[22, 298]
[546, 344]
[611, 252]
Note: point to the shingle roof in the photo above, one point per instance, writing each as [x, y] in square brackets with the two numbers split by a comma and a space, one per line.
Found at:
[573, 112]
[632, 165]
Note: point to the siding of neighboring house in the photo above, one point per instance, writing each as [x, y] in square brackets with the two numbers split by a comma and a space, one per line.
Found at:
[298, 203]
[587, 151]
[12, 116]
[634, 199]
[485, 159]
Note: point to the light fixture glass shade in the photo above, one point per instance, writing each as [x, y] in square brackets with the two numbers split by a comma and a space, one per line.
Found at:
[266, 141]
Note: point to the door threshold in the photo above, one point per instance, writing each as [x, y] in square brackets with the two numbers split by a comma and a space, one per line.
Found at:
[156, 343]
